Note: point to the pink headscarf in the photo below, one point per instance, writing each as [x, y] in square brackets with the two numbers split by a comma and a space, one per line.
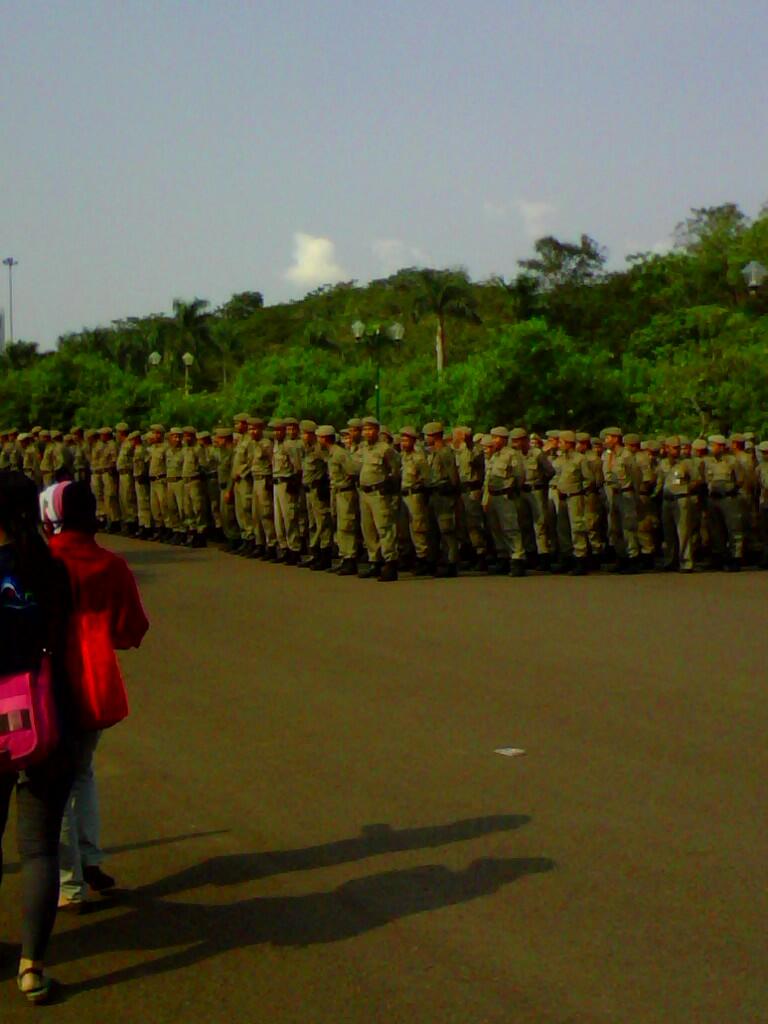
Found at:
[50, 506]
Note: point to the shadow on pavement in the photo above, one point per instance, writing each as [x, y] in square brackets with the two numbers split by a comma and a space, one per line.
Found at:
[349, 910]
[234, 869]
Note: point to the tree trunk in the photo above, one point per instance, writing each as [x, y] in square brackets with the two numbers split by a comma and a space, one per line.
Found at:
[440, 345]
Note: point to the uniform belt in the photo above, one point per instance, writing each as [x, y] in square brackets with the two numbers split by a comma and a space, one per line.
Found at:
[408, 491]
[645, 491]
[261, 476]
[97, 471]
[508, 491]
[315, 486]
[173, 479]
[573, 494]
[142, 478]
[372, 488]
[124, 472]
[621, 490]
[532, 487]
[676, 497]
[160, 476]
[346, 487]
[188, 479]
[472, 485]
[724, 494]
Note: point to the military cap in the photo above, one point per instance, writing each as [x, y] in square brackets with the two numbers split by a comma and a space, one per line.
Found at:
[308, 426]
[486, 439]
[612, 431]
[73, 430]
[44, 435]
[749, 435]
[290, 421]
[596, 440]
[475, 437]
[13, 430]
[552, 435]
[345, 432]
[222, 432]
[408, 431]
[499, 432]
[518, 433]
[740, 438]
[716, 439]
[762, 447]
[188, 430]
[26, 437]
[699, 444]
[35, 430]
[240, 416]
[651, 445]
[157, 428]
[105, 430]
[134, 434]
[370, 421]
[202, 434]
[433, 427]
[684, 440]
[568, 436]
[582, 436]
[56, 435]
[256, 421]
[672, 442]
[534, 436]
[464, 430]
[631, 438]
[122, 426]
[275, 422]
[176, 430]
[89, 434]
[355, 422]
[385, 430]
[326, 430]
[68, 439]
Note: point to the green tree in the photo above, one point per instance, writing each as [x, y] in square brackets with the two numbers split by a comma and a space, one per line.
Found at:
[444, 295]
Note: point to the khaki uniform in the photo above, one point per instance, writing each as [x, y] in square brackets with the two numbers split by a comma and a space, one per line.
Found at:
[110, 479]
[158, 484]
[379, 486]
[647, 509]
[262, 494]
[622, 482]
[470, 463]
[342, 473]
[31, 464]
[209, 457]
[443, 493]
[316, 484]
[594, 505]
[141, 484]
[724, 477]
[761, 484]
[97, 477]
[533, 504]
[286, 470]
[48, 465]
[243, 485]
[414, 482]
[224, 461]
[676, 483]
[129, 510]
[80, 464]
[174, 501]
[504, 477]
[573, 479]
[195, 492]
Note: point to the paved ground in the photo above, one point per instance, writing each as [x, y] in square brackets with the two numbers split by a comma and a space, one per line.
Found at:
[311, 824]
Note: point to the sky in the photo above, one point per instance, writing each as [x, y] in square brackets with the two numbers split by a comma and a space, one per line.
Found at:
[160, 150]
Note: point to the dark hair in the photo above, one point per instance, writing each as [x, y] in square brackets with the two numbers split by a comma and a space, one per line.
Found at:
[20, 519]
[78, 508]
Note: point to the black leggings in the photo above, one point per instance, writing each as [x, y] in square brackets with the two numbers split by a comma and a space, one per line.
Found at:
[41, 796]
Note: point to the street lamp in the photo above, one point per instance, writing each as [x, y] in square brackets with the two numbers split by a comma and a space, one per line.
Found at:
[188, 359]
[754, 274]
[395, 332]
[10, 262]
[154, 359]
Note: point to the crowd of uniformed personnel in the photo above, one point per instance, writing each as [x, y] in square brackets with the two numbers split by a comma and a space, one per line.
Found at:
[365, 501]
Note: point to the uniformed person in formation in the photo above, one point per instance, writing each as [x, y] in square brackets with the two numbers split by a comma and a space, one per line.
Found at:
[262, 490]
[414, 494]
[174, 506]
[622, 483]
[379, 497]
[504, 477]
[141, 483]
[443, 491]
[194, 490]
[724, 477]
[286, 472]
[573, 480]
[470, 463]
[676, 483]
[342, 475]
[242, 483]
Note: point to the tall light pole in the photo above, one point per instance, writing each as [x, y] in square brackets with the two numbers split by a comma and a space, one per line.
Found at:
[187, 359]
[375, 334]
[10, 262]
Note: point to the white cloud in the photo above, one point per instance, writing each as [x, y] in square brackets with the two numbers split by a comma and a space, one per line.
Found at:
[537, 216]
[393, 254]
[314, 261]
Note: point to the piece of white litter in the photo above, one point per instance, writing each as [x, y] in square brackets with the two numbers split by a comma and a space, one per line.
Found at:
[510, 751]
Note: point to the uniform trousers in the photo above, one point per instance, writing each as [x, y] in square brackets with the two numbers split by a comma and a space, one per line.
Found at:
[535, 508]
[263, 512]
[622, 524]
[286, 499]
[143, 504]
[442, 517]
[378, 519]
[572, 526]
[416, 511]
[474, 520]
[243, 490]
[129, 510]
[195, 506]
[725, 526]
[347, 515]
[111, 495]
[677, 520]
[505, 528]
[158, 501]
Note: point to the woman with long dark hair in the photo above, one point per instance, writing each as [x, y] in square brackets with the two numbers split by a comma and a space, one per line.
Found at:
[38, 586]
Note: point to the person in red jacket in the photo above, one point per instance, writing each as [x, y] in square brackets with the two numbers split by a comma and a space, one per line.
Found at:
[107, 615]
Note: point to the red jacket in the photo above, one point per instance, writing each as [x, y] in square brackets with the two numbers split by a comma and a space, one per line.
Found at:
[107, 615]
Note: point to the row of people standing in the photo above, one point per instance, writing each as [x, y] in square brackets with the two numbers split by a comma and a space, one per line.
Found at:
[424, 500]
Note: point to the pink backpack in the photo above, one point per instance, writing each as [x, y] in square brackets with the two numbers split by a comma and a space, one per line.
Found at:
[29, 728]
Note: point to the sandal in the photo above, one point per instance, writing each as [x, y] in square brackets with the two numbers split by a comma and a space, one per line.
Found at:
[39, 993]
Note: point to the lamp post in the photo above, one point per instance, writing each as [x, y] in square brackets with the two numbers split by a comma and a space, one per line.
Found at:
[10, 262]
[754, 274]
[375, 334]
[188, 359]
[154, 359]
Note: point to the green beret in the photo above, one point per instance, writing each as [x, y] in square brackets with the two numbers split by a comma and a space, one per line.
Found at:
[134, 434]
[290, 421]
[581, 436]
[256, 421]
[222, 432]
[672, 442]
[189, 430]
[203, 434]
[241, 417]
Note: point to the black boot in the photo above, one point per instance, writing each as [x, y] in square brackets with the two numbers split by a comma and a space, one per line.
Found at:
[499, 568]
[246, 548]
[270, 554]
[579, 567]
[545, 563]
[291, 557]
[421, 568]
[324, 560]
[371, 571]
[256, 551]
[200, 541]
[312, 559]
[517, 567]
[388, 572]
[733, 565]
[348, 567]
[448, 572]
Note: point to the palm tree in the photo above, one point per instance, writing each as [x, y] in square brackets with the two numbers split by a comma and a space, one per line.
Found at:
[189, 327]
[446, 295]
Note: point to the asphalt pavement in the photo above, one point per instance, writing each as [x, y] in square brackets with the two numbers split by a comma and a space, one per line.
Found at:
[310, 822]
